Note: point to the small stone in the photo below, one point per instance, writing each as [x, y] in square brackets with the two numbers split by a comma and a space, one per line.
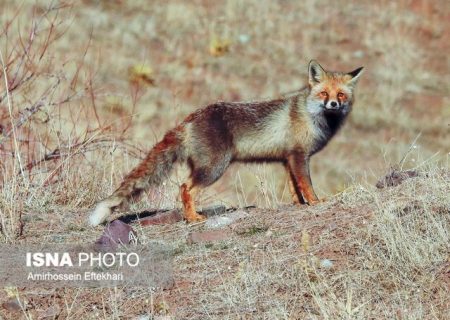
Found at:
[326, 263]
[12, 305]
[213, 210]
[396, 177]
[238, 214]
[168, 217]
[116, 233]
[217, 222]
[51, 313]
[333, 226]
[358, 54]
[244, 38]
[208, 236]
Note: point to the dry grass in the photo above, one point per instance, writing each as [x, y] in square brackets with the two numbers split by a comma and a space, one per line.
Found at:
[390, 259]
[87, 87]
[388, 250]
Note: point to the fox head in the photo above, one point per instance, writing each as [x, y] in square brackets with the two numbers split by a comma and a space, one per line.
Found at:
[331, 92]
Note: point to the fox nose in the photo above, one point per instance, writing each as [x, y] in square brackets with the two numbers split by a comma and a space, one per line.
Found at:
[333, 104]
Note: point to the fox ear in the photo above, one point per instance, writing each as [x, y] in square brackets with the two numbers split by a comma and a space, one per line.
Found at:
[355, 74]
[316, 72]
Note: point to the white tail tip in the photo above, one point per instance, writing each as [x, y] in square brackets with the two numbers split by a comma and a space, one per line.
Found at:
[100, 213]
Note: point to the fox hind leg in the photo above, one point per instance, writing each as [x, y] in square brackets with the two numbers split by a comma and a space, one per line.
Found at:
[204, 172]
[188, 193]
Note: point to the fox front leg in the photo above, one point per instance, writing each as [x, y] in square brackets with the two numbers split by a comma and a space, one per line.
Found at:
[297, 197]
[298, 164]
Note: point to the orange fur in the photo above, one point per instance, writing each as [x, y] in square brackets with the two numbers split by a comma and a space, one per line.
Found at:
[188, 194]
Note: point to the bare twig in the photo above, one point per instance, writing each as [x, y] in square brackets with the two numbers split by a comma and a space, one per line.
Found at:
[13, 128]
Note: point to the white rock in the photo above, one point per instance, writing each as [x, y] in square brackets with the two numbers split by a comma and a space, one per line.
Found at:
[217, 222]
[326, 263]
[358, 54]
[244, 38]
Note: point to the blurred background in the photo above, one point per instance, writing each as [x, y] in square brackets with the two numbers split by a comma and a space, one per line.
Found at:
[93, 85]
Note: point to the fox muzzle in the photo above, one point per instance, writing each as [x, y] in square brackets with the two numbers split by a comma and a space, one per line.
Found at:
[333, 105]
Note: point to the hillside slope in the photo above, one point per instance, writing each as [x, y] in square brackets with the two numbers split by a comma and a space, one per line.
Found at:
[366, 253]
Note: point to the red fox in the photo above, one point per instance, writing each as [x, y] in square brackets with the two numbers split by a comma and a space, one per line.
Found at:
[288, 131]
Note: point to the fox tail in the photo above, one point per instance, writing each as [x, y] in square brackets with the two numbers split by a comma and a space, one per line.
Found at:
[150, 172]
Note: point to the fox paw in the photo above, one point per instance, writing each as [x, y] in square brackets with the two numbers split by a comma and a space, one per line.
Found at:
[314, 202]
[195, 218]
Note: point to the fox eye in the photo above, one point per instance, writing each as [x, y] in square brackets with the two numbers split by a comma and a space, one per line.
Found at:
[340, 95]
[324, 93]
